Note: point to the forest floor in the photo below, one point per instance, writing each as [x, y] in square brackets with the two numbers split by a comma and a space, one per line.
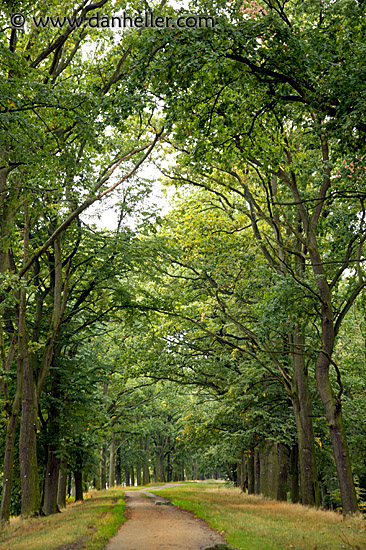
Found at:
[154, 525]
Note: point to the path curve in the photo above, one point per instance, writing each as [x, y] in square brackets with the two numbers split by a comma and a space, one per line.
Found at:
[151, 526]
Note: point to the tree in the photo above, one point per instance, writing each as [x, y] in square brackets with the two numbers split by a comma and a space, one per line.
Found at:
[284, 139]
[56, 128]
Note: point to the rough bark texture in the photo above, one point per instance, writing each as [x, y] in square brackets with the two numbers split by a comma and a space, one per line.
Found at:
[257, 472]
[305, 432]
[112, 463]
[333, 413]
[62, 484]
[146, 470]
[127, 476]
[331, 403]
[294, 474]
[146, 475]
[51, 483]
[138, 474]
[30, 498]
[251, 476]
[10, 444]
[118, 467]
[263, 472]
[103, 473]
[78, 476]
[8, 464]
[283, 458]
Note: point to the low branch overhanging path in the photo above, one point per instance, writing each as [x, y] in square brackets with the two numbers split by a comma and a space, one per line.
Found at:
[153, 525]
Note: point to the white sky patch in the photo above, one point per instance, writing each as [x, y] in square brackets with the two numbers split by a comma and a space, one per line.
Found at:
[104, 213]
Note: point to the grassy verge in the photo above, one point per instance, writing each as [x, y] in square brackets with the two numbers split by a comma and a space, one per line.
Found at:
[255, 523]
[88, 525]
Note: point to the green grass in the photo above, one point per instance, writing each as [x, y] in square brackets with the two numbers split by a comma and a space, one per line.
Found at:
[255, 523]
[88, 525]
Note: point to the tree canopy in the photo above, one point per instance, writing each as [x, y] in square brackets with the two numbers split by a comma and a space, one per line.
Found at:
[226, 336]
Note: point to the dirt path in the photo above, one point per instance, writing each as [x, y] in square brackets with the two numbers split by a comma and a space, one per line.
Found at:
[152, 526]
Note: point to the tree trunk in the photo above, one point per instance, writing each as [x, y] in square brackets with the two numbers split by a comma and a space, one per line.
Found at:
[118, 466]
[62, 482]
[303, 417]
[78, 476]
[251, 472]
[112, 463]
[146, 475]
[283, 457]
[229, 473]
[294, 474]
[264, 471]
[240, 477]
[331, 403]
[146, 472]
[127, 476]
[138, 474]
[69, 484]
[9, 451]
[333, 413]
[160, 468]
[51, 483]
[103, 474]
[257, 472]
[31, 498]
[86, 483]
[132, 474]
[272, 469]
[97, 482]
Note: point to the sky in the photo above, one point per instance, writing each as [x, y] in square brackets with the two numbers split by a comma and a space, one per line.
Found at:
[103, 214]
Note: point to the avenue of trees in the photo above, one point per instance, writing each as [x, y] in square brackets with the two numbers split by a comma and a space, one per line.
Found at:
[227, 337]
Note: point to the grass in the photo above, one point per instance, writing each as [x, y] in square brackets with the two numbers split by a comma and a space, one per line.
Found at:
[88, 525]
[255, 523]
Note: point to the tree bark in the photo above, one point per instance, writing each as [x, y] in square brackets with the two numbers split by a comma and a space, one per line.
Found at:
[78, 476]
[30, 497]
[146, 475]
[127, 476]
[62, 483]
[132, 474]
[112, 463]
[138, 474]
[294, 474]
[257, 472]
[251, 481]
[272, 469]
[283, 458]
[10, 445]
[146, 471]
[333, 413]
[103, 474]
[302, 407]
[51, 483]
[332, 403]
[118, 466]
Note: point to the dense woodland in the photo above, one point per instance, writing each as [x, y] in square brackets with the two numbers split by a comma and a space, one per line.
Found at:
[227, 337]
